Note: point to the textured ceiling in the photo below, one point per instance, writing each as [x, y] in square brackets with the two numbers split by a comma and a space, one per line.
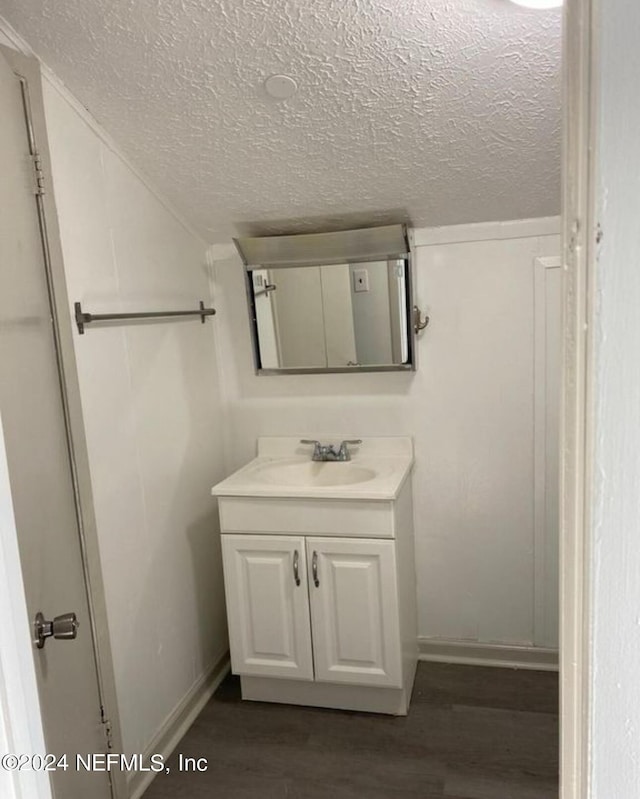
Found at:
[431, 111]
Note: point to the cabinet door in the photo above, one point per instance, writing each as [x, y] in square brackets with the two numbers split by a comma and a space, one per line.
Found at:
[267, 607]
[354, 611]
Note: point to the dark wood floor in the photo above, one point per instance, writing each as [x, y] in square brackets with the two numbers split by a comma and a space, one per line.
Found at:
[471, 733]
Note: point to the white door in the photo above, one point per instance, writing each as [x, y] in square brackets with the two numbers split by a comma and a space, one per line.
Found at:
[337, 310]
[354, 611]
[265, 321]
[39, 464]
[265, 581]
[297, 306]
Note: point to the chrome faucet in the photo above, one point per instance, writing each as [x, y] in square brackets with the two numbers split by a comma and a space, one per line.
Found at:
[327, 452]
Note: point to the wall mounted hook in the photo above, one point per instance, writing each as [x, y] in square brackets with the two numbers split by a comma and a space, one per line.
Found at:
[419, 323]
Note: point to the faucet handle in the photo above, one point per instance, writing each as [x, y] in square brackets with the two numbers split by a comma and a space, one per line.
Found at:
[343, 452]
[317, 447]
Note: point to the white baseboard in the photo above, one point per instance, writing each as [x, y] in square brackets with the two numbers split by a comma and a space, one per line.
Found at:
[176, 725]
[472, 653]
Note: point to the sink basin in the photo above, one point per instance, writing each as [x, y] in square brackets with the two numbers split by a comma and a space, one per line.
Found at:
[283, 470]
[313, 474]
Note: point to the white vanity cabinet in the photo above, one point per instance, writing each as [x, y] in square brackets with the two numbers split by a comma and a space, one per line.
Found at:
[320, 583]
[289, 597]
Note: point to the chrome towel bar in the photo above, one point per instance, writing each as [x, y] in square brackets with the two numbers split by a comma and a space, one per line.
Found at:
[83, 318]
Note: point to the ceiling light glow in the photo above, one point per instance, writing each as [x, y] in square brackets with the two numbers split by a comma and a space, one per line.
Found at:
[538, 3]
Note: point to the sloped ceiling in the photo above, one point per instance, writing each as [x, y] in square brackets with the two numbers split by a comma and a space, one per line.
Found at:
[435, 112]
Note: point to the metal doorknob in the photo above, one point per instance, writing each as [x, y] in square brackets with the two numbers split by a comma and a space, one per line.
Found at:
[64, 626]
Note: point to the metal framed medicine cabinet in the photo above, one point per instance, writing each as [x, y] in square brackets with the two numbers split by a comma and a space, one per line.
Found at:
[330, 302]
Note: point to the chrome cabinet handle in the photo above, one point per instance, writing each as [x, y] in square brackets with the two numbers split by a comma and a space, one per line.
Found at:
[314, 569]
[296, 567]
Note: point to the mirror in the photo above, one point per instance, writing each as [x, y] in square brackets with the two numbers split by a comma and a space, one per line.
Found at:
[330, 315]
[333, 316]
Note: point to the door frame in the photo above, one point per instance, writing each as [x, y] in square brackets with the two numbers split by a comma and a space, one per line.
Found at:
[28, 69]
[577, 450]
[541, 451]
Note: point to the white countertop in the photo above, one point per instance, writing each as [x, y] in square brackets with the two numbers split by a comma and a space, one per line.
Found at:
[389, 459]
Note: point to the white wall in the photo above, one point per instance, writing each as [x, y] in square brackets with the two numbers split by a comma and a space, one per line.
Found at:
[469, 408]
[150, 403]
[615, 513]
